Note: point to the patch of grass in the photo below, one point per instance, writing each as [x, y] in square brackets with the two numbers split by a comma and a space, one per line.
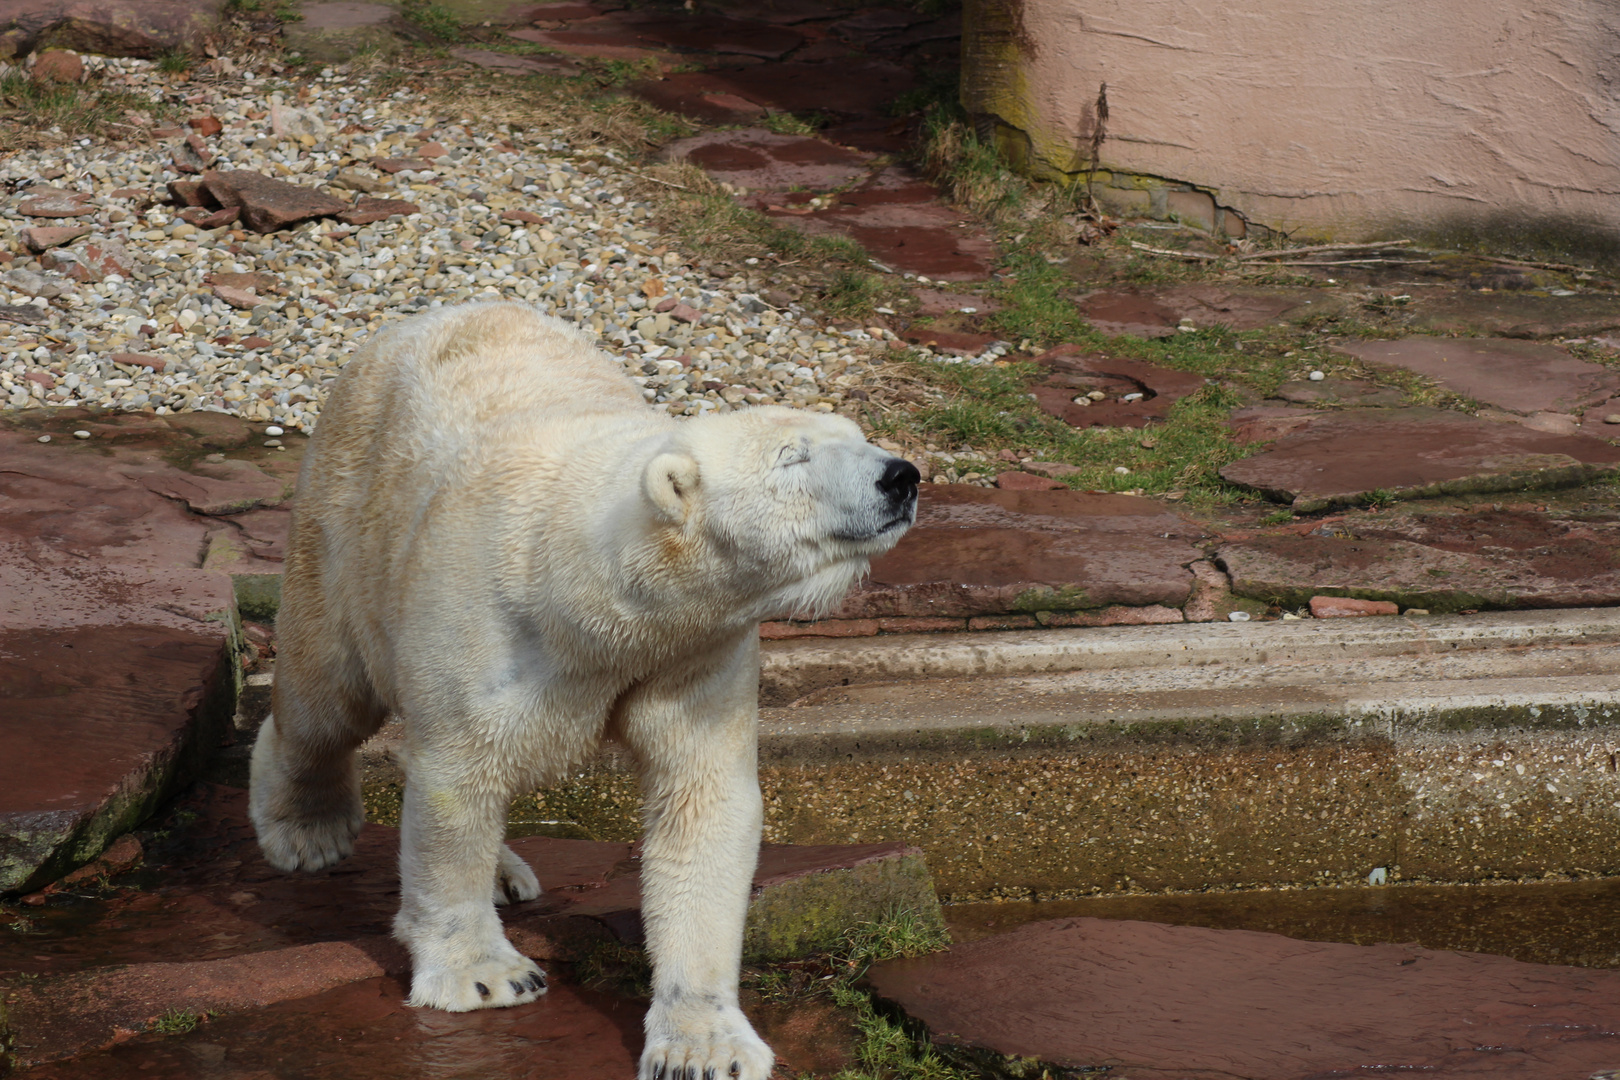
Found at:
[786, 123]
[33, 112]
[1278, 517]
[1378, 499]
[852, 294]
[435, 20]
[176, 1022]
[174, 62]
[617, 967]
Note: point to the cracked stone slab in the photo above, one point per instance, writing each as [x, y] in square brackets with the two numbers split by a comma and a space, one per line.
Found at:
[1153, 313]
[1340, 458]
[1192, 1003]
[1444, 562]
[144, 29]
[1520, 376]
[761, 160]
[981, 551]
[1518, 314]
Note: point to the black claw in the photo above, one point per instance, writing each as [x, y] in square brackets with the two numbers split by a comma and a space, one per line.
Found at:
[708, 1074]
[691, 1072]
[736, 1069]
[517, 987]
[537, 981]
[658, 1071]
[483, 991]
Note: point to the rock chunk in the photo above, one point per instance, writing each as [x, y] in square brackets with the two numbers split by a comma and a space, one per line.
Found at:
[368, 210]
[268, 204]
[1342, 607]
[56, 205]
[978, 551]
[140, 28]
[1444, 562]
[43, 237]
[1078, 372]
[1180, 1001]
[1340, 458]
[1520, 376]
[761, 160]
[57, 66]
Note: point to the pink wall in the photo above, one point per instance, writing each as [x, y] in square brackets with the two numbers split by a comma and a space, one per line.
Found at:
[1353, 119]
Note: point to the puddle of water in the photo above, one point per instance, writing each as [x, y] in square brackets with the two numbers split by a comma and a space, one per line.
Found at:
[1564, 922]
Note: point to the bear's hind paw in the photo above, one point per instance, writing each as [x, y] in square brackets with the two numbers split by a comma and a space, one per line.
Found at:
[493, 984]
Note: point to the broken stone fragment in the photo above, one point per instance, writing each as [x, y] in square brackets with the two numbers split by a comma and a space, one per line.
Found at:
[1342, 607]
[267, 204]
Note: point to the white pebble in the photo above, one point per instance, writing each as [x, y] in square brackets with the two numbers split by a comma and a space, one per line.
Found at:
[81, 434]
[273, 430]
[1317, 376]
[1238, 616]
[1120, 470]
[44, 438]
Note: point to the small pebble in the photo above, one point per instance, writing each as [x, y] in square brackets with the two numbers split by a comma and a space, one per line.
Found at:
[1317, 376]
[81, 434]
[273, 431]
[272, 442]
[1238, 616]
[1612, 418]
[43, 438]
[1120, 470]
[1417, 611]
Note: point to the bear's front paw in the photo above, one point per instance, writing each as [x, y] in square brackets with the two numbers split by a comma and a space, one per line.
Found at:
[492, 984]
[703, 1041]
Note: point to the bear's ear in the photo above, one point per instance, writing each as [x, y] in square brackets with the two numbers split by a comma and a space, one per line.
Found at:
[670, 481]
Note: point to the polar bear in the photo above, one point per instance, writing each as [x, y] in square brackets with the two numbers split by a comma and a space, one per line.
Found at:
[498, 541]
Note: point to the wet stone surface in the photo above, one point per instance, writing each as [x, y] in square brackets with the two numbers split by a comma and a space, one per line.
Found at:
[1131, 393]
[1159, 312]
[1516, 314]
[1440, 561]
[976, 551]
[1338, 458]
[1197, 1004]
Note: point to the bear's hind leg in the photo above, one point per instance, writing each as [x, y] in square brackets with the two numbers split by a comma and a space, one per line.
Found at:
[304, 795]
[514, 880]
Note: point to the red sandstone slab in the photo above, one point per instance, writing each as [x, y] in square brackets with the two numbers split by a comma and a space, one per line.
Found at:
[1077, 372]
[1185, 1003]
[715, 33]
[1440, 561]
[1520, 376]
[1155, 313]
[1518, 314]
[978, 552]
[1338, 458]
[847, 88]
[761, 160]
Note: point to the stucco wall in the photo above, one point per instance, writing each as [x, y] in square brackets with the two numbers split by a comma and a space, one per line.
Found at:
[1350, 119]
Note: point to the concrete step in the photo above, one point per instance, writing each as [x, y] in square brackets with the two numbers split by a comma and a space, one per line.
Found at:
[1185, 757]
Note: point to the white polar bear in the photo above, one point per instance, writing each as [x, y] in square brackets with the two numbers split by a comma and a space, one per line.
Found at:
[497, 540]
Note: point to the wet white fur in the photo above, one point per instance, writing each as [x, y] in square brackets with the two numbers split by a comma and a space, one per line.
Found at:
[498, 541]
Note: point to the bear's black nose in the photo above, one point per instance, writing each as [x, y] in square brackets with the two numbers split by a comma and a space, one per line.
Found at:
[899, 479]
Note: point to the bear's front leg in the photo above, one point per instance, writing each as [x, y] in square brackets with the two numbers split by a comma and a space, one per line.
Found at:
[450, 851]
[696, 746]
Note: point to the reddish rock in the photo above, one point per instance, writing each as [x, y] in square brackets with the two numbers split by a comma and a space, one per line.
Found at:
[851, 88]
[1341, 607]
[241, 299]
[1412, 453]
[1521, 376]
[43, 237]
[1265, 423]
[190, 193]
[1440, 561]
[140, 28]
[267, 204]
[1023, 481]
[122, 855]
[685, 313]
[949, 341]
[905, 225]
[95, 261]
[206, 125]
[1050, 468]
[1518, 314]
[980, 551]
[204, 218]
[1077, 372]
[1155, 313]
[1155, 1000]
[526, 65]
[713, 33]
[524, 216]
[193, 155]
[255, 282]
[155, 363]
[58, 66]
[398, 165]
[764, 161]
[56, 205]
[256, 343]
[605, 38]
[368, 210]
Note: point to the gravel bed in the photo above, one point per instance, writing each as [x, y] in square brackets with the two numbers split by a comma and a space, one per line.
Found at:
[595, 259]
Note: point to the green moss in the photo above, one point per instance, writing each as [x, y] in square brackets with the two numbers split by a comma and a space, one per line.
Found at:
[815, 912]
[1045, 598]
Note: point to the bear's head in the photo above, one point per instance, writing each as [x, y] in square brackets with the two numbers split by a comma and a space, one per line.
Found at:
[789, 506]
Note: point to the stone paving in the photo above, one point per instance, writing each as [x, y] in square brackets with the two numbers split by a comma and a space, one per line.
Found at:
[1185, 1003]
